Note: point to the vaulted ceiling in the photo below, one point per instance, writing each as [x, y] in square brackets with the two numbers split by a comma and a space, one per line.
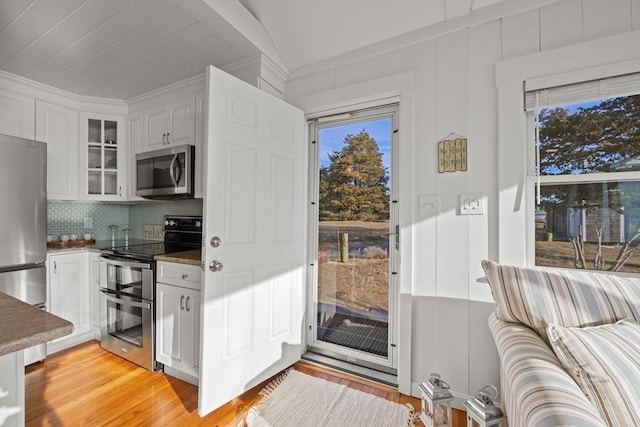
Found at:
[122, 48]
[308, 31]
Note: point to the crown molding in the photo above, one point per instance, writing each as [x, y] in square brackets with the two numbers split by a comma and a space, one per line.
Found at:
[55, 95]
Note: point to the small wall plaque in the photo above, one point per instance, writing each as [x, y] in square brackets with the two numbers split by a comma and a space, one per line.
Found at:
[153, 232]
[452, 155]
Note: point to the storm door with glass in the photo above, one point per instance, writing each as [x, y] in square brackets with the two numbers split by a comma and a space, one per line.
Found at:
[354, 240]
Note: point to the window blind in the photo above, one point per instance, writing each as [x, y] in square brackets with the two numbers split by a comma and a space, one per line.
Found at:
[592, 90]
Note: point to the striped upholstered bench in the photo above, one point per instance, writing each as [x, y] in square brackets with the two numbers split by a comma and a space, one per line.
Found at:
[569, 346]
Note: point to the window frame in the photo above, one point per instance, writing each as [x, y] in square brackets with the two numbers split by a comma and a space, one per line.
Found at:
[591, 60]
[535, 178]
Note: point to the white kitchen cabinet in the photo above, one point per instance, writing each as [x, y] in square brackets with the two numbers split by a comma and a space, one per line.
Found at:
[170, 124]
[58, 127]
[135, 126]
[69, 296]
[12, 391]
[94, 293]
[164, 121]
[103, 157]
[17, 114]
[178, 319]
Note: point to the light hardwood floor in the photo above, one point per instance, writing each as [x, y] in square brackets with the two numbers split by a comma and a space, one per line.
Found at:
[87, 386]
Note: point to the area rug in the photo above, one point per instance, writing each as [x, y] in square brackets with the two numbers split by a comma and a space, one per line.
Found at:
[300, 400]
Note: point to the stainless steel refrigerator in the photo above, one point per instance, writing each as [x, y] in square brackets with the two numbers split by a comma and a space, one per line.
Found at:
[23, 224]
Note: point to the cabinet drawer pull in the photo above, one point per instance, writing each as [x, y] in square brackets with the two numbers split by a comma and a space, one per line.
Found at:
[185, 275]
[188, 298]
[168, 140]
[182, 302]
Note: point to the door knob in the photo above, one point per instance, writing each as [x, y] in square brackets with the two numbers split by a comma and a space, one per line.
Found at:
[215, 266]
[215, 241]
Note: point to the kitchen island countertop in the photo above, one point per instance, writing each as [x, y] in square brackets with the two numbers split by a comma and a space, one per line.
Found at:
[23, 326]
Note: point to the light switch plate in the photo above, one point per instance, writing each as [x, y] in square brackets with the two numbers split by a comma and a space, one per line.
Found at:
[472, 204]
[88, 222]
[428, 205]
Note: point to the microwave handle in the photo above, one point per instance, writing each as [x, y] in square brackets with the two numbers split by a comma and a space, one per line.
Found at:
[175, 166]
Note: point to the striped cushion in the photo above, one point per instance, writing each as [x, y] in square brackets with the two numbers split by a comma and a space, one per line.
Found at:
[605, 362]
[537, 297]
[536, 389]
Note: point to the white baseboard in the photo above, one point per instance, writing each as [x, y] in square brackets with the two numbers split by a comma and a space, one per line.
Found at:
[69, 341]
[168, 370]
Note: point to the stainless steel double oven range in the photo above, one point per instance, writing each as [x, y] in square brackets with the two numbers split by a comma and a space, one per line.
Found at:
[127, 286]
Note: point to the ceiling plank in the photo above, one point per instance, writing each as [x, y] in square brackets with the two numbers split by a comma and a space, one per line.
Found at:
[159, 54]
[124, 23]
[181, 72]
[141, 78]
[129, 48]
[32, 23]
[65, 32]
[19, 63]
[10, 10]
[76, 25]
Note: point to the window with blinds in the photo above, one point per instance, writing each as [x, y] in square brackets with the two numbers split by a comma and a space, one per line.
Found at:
[586, 173]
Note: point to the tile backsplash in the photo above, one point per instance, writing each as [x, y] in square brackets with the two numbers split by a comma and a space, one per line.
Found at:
[68, 217]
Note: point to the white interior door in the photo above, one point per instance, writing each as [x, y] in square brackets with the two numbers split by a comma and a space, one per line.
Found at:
[253, 307]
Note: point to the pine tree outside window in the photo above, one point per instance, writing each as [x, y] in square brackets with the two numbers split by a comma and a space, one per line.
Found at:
[585, 169]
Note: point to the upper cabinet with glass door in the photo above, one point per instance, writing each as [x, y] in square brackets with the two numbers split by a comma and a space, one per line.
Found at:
[102, 157]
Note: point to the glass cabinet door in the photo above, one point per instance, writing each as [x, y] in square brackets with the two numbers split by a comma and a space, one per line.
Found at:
[102, 157]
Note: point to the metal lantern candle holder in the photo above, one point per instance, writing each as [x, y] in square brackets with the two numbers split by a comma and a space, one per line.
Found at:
[481, 411]
[436, 402]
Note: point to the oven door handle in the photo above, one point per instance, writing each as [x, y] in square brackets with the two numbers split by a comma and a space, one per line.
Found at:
[119, 263]
[108, 294]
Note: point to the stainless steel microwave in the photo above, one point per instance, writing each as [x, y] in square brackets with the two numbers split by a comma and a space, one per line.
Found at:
[166, 173]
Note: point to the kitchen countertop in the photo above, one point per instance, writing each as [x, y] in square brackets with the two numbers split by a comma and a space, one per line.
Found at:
[23, 325]
[192, 257]
[97, 245]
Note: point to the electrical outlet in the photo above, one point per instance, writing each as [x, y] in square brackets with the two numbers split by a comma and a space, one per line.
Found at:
[88, 222]
[472, 204]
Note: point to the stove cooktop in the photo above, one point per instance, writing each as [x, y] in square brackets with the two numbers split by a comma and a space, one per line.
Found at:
[149, 249]
[182, 233]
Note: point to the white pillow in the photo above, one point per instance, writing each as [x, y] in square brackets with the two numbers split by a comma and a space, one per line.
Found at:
[605, 362]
